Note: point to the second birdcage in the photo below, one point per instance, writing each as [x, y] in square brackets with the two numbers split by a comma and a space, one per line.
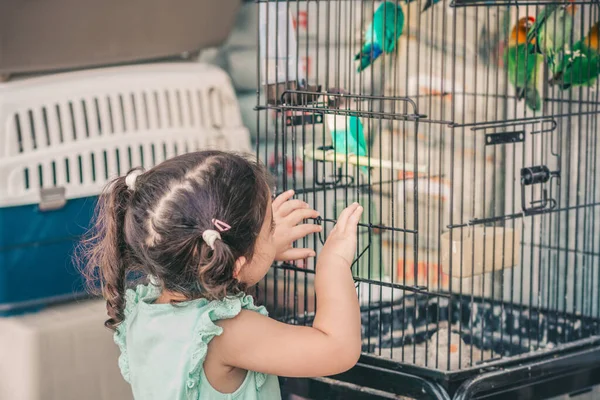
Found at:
[467, 130]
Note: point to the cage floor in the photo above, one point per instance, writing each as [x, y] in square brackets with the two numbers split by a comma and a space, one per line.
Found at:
[445, 334]
[415, 331]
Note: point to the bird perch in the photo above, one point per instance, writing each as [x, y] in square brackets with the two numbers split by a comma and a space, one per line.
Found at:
[361, 161]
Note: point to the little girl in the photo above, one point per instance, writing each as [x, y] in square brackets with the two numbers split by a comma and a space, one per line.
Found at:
[203, 228]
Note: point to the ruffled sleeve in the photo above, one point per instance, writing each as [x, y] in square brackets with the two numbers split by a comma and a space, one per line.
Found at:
[132, 299]
[206, 329]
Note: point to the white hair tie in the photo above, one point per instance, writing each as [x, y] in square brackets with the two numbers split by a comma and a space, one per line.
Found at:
[131, 178]
[210, 236]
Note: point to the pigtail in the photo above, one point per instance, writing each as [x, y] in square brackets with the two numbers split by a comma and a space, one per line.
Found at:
[105, 252]
[215, 271]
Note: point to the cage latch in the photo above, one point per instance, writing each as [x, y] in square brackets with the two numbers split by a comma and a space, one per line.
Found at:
[539, 174]
[52, 198]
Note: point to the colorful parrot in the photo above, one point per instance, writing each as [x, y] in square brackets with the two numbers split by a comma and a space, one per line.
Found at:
[523, 64]
[581, 66]
[552, 31]
[382, 34]
[347, 132]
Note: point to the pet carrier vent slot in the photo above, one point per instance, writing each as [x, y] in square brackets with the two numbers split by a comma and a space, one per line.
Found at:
[134, 112]
[157, 111]
[168, 108]
[19, 134]
[179, 108]
[153, 151]
[26, 178]
[215, 107]
[40, 171]
[105, 161]
[121, 110]
[97, 114]
[72, 119]
[46, 130]
[54, 180]
[85, 118]
[190, 107]
[142, 163]
[32, 129]
[129, 157]
[146, 113]
[59, 123]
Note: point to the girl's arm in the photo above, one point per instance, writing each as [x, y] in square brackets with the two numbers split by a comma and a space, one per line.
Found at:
[332, 345]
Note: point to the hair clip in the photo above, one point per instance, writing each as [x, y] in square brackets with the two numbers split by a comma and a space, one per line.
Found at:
[220, 225]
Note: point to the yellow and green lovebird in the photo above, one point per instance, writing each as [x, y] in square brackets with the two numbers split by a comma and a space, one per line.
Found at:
[523, 64]
[552, 32]
[581, 66]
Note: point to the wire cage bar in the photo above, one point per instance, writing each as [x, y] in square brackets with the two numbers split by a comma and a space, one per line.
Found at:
[467, 130]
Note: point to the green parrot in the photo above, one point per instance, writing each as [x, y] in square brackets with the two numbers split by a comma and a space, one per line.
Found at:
[552, 32]
[581, 66]
[381, 34]
[523, 64]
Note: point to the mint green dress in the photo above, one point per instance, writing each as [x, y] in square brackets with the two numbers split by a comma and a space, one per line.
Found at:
[163, 348]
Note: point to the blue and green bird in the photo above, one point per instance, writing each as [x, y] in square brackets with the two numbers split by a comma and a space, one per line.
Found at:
[581, 66]
[347, 133]
[381, 34]
[523, 64]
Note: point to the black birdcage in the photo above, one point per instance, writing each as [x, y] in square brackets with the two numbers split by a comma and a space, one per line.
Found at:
[478, 257]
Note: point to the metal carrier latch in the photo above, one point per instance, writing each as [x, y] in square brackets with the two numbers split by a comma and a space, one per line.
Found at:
[539, 174]
[52, 198]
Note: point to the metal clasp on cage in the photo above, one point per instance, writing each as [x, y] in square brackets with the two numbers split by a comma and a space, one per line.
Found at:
[539, 174]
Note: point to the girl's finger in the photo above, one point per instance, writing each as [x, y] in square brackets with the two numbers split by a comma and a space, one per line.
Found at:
[354, 219]
[297, 254]
[282, 198]
[290, 206]
[297, 216]
[300, 231]
[343, 218]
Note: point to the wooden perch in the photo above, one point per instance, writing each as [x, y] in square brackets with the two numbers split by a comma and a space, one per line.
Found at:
[361, 161]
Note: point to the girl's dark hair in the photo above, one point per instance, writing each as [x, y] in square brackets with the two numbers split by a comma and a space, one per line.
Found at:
[157, 227]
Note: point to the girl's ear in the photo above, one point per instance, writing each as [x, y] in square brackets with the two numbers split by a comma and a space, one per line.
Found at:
[239, 263]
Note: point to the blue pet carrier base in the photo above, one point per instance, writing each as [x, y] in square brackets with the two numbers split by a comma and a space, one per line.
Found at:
[36, 254]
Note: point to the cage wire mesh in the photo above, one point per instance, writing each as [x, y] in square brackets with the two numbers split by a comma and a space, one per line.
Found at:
[467, 131]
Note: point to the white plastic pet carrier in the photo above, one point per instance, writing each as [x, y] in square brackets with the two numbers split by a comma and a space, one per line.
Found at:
[63, 137]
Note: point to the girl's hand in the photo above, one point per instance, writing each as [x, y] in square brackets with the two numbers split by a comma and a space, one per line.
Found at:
[341, 242]
[333, 343]
[287, 215]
